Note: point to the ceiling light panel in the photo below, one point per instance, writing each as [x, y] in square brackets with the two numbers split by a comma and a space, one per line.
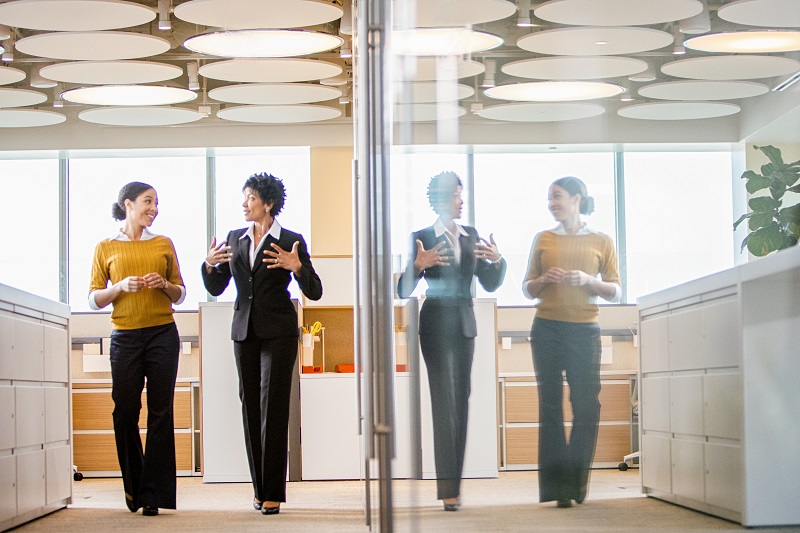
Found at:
[747, 42]
[554, 91]
[275, 93]
[769, 13]
[279, 114]
[270, 70]
[262, 43]
[427, 112]
[678, 110]
[436, 13]
[74, 15]
[129, 95]
[93, 46]
[29, 118]
[10, 75]
[20, 97]
[731, 67]
[243, 14]
[140, 116]
[427, 68]
[542, 112]
[431, 91]
[574, 67]
[616, 12]
[703, 90]
[111, 72]
[595, 41]
[442, 41]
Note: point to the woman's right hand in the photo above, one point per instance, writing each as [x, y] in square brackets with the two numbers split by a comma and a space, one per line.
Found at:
[436, 256]
[218, 253]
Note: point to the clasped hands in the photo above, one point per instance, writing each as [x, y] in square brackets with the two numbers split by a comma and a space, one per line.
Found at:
[152, 280]
[275, 258]
[569, 277]
[440, 255]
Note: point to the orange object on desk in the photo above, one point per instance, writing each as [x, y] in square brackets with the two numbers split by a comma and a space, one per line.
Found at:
[345, 369]
[401, 368]
[312, 369]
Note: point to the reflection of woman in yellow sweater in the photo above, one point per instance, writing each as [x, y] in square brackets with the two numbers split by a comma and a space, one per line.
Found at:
[145, 281]
[563, 274]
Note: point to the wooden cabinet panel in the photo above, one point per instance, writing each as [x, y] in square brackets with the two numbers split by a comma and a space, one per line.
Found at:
[615, 402]
[522, 403]
[98, 451]
[522, 445]
[93, 410]
[613, 443]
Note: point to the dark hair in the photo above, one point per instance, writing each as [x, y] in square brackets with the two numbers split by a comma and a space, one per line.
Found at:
[575, 186]
[130, 191]
[269, 189]
[441, 188]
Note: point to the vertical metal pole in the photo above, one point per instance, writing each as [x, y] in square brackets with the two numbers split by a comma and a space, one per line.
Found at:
[374, 140]
[63, 228]
[211, 206]
[622, 245]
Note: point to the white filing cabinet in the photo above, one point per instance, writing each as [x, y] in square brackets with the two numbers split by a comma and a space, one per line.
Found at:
[719, 392]
[35, 435]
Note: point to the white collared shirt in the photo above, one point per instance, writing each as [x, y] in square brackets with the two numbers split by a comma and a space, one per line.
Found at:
[274, 230]
[146, 236]
[440, 229]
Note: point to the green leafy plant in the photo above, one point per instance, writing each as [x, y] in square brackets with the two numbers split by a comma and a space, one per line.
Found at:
[772, 226]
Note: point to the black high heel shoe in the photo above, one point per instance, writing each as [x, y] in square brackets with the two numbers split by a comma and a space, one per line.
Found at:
[149, 511]
[270, 510]
[256, 504]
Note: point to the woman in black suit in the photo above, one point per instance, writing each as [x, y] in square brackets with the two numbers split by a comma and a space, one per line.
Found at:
[448, 256]
[262, 259]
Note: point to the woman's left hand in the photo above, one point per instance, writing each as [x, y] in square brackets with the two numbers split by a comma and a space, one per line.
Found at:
[154, 280]
[487, 249]
[576, 278]
[280, 258]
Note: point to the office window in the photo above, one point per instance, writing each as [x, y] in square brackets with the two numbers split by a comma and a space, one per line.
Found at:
[679, 218]
[180, 182]
[232, 168]
[511, 202]
[30, 222]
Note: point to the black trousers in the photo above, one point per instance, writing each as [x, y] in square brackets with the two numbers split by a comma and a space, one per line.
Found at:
[572, 348]
[448, 360]
[151, 354]
[265, 369]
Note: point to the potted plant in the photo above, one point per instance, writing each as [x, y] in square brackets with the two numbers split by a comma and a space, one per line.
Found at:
[772, 226]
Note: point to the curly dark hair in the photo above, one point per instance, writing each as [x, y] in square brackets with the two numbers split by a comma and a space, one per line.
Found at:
[575, 186]
[130, 191]
[269, 188]
[441, 189]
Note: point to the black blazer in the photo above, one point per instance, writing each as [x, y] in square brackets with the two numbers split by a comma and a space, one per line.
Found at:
[447, 309]
[262, 293]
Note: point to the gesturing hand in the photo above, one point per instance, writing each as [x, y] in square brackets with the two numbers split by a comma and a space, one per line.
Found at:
[436, 256]
[218, 253]
[487, 249]
[280, 258]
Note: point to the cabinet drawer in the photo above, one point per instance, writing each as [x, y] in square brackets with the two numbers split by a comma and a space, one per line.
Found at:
[92, 410]
[656, 463]
[98, 451]
[724, 476]
[522, 403]
[522, 446]
[613, 443]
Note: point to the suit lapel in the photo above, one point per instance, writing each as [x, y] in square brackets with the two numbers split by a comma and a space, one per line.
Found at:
[260, 252]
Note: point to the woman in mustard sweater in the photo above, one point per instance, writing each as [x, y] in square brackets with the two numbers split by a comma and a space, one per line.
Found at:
[145, 281]
[563, 271]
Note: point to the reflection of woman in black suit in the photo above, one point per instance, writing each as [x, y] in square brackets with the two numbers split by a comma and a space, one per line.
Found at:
[262, 259]
[448, 256]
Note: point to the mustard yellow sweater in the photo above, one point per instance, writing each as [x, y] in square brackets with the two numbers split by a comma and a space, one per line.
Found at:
[592, 253]
[115, 260]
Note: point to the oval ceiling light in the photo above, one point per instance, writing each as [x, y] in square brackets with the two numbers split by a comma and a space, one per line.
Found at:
[20, 97]
[243, 14]
[74, 15]
[703, 90]
[731, 67]
[431, 91]
[270, 70]
[274, 93]
[541, 112]
[279, 114]
[140, 116]
[29, 118]
[427, 112]
[678, 110]
[426, 68]
[11, 75]
[436, 13]
[616, 12]
[89, 46]
[769, 13]
[746, 42]
[262, 43]
[111, 72]
[595, 41]
[574, 67]
[129, 95]
[442, 41]
[554, 91]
